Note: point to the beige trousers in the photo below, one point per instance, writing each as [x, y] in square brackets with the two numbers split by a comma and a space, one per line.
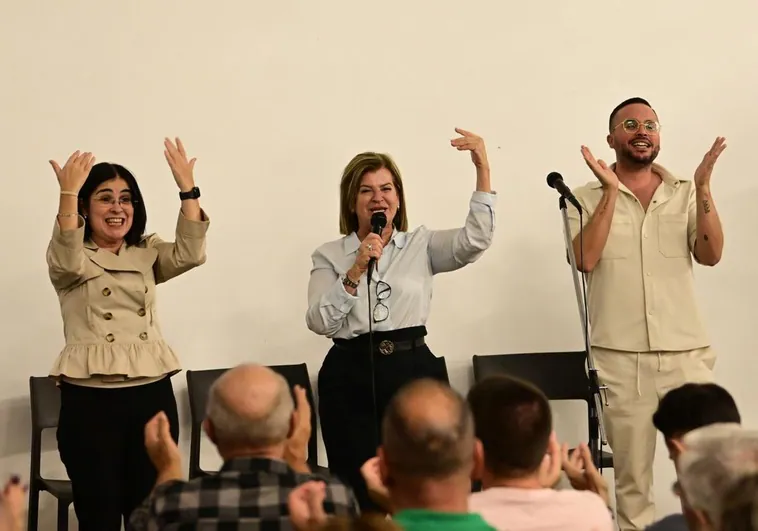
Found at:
[635, 383]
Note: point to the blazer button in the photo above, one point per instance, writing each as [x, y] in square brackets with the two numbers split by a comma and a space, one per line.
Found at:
[108, 316]
[106, 292]
[145, 289]
[109, 338]
[141, 312]
[143, 336]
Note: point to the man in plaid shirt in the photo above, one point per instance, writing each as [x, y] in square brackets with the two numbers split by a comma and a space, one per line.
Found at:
[262, 439]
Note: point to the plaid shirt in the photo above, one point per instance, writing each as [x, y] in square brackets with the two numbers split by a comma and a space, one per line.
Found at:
[247, 494]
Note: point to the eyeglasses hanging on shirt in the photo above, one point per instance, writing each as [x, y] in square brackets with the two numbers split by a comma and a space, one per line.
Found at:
[381, 311]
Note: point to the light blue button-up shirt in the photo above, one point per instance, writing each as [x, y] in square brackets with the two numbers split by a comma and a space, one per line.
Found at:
[407, 264]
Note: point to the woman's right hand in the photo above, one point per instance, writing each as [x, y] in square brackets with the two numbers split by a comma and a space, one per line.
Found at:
[371, 247]
[74, 173]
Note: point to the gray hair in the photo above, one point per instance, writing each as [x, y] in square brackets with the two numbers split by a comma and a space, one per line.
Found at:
[714, 460]
[233, 427]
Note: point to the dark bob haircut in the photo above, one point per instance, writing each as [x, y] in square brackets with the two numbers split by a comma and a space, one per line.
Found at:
[105, 171]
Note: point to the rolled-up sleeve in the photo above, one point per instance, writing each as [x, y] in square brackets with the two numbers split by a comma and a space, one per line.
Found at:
[183, 254]
[328, 302]
[66, 261]
[454, 248]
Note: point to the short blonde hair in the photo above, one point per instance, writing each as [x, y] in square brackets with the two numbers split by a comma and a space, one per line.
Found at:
[352, 175]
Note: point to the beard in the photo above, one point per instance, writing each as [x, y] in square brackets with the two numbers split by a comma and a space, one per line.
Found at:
[631, 157]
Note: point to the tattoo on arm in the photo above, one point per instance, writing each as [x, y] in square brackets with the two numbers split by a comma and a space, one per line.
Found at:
[706, 206]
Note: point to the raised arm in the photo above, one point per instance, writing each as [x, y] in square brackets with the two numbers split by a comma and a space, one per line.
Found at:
[188, 249]
[594, 235]
[454, 248]
[707, 240]
[66, 261]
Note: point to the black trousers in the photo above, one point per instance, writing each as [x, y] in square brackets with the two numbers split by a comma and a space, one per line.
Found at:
[101, 443]
[350, 430]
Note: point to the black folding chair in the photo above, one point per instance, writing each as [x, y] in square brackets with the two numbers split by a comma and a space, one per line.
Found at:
[45, 399]
[560, 375]
[198, 385]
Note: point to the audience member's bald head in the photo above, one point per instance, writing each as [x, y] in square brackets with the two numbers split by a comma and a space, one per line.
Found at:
[250, 406]
[428, 432]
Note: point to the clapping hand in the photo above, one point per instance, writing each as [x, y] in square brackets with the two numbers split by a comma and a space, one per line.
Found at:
[604, 174]
[704, 170]
[75, 171]
[181, 168]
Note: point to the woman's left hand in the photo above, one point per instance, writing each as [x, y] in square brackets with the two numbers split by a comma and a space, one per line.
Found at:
[181, 168]
[473, 143]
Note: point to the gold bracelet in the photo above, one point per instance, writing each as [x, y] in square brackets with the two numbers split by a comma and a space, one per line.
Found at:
[65, 192]
[67, 215]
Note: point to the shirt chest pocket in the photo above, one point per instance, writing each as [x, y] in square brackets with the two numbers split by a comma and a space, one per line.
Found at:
[620, 240]
[673, 240]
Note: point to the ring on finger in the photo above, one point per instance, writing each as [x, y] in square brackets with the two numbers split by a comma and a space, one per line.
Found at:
[370, 247]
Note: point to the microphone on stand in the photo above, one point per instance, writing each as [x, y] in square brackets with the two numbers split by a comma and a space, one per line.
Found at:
[378, 222]
[555, 180]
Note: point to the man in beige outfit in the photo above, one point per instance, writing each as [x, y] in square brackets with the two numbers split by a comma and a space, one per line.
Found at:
[638, 232]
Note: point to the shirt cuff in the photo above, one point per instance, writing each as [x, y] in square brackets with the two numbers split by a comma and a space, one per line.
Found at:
[484, 198]
[191, 228]
[339, 298]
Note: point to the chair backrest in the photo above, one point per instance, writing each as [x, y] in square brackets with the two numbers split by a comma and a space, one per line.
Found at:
[198, 385]
[45, 402]
[560, 375]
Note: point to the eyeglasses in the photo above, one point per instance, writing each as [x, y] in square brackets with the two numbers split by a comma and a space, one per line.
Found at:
[107, 201]
[632, 126]
[381, 311]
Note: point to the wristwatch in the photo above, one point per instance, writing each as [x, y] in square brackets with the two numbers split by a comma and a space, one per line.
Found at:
[192, 194]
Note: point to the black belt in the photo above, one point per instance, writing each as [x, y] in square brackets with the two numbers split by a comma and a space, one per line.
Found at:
[384, 346]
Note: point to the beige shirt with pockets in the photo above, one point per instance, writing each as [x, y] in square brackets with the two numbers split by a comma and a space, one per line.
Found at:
[108, 302]
[641, 294]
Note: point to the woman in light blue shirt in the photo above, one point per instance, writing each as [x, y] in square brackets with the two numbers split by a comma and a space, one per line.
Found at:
[389, 316]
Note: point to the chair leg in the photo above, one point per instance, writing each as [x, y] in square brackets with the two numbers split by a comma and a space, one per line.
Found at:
[33, 513]
[63, 515]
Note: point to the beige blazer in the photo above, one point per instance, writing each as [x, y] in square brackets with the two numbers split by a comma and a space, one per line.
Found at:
[108, 301]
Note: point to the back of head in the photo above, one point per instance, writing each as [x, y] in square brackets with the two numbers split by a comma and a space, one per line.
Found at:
[740, 510]
[250, 406]
[692, 406]
[715, 459]
[428, 432]
[513, 421]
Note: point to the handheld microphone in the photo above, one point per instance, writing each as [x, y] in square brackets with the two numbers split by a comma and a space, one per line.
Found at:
[378, 222]
[555, 180]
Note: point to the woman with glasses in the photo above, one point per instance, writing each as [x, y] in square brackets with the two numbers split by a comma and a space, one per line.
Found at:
[378, 329]
[114, 371]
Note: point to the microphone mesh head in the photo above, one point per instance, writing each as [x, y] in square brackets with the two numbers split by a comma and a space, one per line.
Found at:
[552, 177]
[378, 220]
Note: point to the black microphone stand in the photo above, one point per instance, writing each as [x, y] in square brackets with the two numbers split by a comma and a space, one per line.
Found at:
[377, 440]
[596, 428]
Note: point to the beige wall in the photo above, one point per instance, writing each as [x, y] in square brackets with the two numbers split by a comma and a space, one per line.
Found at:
[273, 98]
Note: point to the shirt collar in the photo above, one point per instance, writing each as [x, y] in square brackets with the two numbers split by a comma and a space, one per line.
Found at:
[351, 242]
[256, 464]
[666, 177]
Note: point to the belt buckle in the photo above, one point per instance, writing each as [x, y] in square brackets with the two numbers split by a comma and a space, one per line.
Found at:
[386, 347]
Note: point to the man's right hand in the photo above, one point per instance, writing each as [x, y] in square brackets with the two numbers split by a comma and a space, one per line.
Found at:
[604, 174]
[582, 473]
[162, 449]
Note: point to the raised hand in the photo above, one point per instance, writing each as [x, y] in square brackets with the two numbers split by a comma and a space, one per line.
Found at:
[473, 143]
[601, 170]
[74, 173]
[704, 170]
[160, 445]
[181, 168]
[582, 473]
[296, 448]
